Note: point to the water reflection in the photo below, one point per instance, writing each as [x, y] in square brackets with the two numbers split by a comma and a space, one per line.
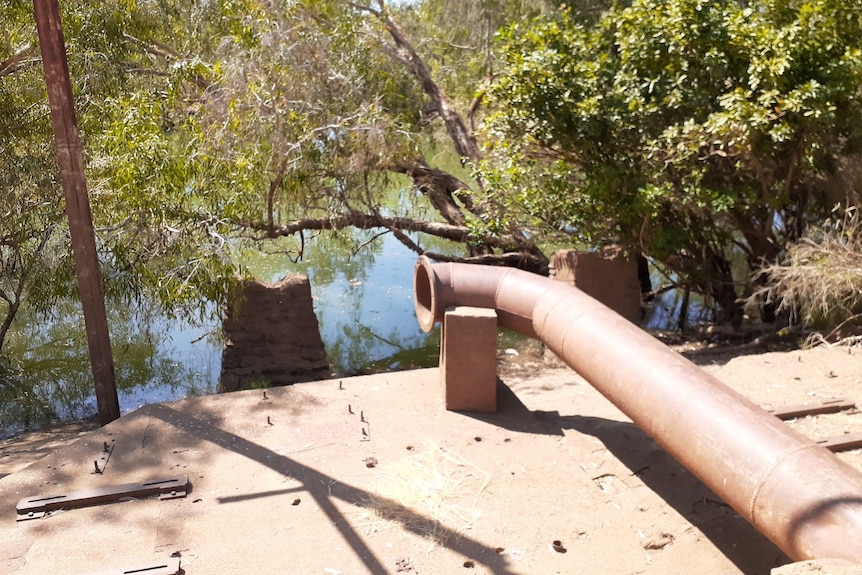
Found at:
[363, 301]
[46, 377]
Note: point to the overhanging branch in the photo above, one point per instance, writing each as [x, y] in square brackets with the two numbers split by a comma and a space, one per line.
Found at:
[25, 57]
[515, 254]
[365, 222]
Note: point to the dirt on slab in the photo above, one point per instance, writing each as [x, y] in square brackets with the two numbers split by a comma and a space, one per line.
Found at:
[559, 481]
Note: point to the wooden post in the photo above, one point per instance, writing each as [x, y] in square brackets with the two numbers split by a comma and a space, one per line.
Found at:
[71, 162]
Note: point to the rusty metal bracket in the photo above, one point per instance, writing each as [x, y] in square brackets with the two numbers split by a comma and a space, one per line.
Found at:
[171, 566]
[829, 406]
[843, 442]
[40, 505]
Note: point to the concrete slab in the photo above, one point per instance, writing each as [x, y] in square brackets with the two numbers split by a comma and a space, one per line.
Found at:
[558, 481]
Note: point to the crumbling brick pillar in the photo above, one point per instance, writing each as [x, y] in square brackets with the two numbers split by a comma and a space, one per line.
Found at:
[607, 276]
[468, 359]
[272, 336]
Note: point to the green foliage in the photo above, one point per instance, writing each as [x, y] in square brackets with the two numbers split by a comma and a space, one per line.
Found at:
[457, 37]
[117, 88]
[286, 115]
[31, 209]
[686, 129]
[260, 384]
[210, 125]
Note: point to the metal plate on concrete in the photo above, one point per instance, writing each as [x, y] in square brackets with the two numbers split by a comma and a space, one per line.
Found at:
[842, 442]
[169, 567]
[829, 406]
[40, 505]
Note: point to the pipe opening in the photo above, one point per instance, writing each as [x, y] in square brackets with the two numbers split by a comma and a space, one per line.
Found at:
[424, 298]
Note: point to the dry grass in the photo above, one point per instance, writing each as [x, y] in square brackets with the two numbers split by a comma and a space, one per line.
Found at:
[820, 282]
[830, 340]
[431, 493]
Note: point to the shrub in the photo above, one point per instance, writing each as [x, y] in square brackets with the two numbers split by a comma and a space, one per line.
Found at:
[820, 280]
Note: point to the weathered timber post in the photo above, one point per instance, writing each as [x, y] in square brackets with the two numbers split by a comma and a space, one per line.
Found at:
[71, 162]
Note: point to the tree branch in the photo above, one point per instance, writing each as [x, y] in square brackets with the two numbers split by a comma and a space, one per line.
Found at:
[441, 188]
[362, 221]
[166, 53]
[17, 62]
[464, 142]
[155, 48]
[525, 257]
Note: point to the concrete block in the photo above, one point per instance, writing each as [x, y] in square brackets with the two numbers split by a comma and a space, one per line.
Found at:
[468, 359]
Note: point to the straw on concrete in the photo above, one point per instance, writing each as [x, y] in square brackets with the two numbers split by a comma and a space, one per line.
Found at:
[431, 492]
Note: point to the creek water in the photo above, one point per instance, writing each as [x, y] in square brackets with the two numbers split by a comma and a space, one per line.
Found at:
[363, 300]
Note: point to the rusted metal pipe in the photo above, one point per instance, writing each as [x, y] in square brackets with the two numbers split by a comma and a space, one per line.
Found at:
[798, 494]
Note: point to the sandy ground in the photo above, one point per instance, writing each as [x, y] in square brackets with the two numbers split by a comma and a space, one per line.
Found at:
[559, 481]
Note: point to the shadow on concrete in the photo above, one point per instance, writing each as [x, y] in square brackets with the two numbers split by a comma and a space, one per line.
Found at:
[318, 485]
[737, 539]
[259, 495]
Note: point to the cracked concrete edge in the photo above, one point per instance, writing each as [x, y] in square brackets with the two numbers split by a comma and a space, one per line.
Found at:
[819, 566]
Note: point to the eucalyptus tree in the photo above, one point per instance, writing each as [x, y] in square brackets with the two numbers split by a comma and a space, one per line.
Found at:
[210, 127]
[207, 125]
[284, 119]
[457, 42]
[35, 258]
[31, 209]
[701, 133]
